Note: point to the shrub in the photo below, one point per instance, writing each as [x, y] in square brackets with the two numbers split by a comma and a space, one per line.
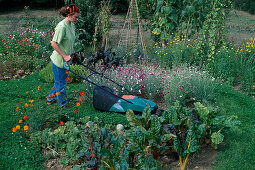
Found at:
[153, 85]
[25, 49]
[47, 74]
[65, 141]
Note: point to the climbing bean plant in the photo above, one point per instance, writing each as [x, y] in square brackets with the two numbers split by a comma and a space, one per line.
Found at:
[171, 16]
[212, 30]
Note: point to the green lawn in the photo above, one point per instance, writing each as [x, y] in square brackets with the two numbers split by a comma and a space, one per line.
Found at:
[14, 146]
[238, 151]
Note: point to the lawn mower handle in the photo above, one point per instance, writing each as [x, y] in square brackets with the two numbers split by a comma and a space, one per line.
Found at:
[78, 61]
[73, 58]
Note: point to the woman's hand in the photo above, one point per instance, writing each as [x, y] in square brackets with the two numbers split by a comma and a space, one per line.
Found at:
[67, 58]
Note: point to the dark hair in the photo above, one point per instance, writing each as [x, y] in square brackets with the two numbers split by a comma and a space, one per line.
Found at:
[70, 10]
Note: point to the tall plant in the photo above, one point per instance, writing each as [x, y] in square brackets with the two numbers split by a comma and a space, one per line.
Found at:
[88, 18]
[103, 23]
[212, 30]
[172, 16]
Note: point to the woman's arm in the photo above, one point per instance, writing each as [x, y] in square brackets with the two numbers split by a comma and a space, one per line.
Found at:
[56, 47]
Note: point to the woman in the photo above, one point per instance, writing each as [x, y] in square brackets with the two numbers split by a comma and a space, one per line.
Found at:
[62, 42]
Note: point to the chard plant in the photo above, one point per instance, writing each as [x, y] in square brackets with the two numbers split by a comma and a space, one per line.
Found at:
[193, 127]
[106, 149]
[146, 139]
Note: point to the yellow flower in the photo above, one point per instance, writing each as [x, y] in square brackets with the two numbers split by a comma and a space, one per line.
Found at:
[20, 121]
[26, 105]
[58, 93]
[31, 101]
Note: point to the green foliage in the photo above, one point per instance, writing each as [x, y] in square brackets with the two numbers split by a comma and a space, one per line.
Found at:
[187, 84]
[225, 65]
[64, 141]
[47, 73]
[171, 16]
[119, 6]
[245, 68]
[188, 18]
[103, 24]
[195, 126]
[176, 50]
[89, 10]
[212, 31]
[145, 136]
[246, 5]
[106, 149]
[236, 66]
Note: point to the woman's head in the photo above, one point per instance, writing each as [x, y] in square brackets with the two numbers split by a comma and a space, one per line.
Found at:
[72, 13]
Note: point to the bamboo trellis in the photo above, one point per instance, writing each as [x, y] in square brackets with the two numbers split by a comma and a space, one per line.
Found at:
[126, 36]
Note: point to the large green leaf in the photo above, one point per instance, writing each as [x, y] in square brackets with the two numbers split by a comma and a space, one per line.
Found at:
[133, 121]
[155, 124]
[146, 114]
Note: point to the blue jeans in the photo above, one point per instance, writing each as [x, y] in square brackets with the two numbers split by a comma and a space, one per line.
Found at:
[59, 85]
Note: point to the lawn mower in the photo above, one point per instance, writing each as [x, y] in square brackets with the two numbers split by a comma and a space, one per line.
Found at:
[107, 99]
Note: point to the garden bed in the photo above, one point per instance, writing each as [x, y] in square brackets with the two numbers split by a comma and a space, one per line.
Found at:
[191, 94]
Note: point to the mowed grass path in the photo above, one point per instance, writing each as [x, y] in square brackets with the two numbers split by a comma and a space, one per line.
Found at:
[239, 149]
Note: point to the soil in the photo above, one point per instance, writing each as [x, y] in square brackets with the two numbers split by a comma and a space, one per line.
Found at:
[202, 160]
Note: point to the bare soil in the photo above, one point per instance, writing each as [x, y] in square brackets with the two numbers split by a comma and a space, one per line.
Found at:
[201, 160]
